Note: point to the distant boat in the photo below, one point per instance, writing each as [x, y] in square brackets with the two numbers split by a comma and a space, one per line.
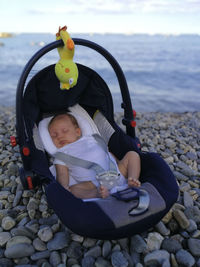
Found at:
[41, 43]
[37, 43]
[5, 35]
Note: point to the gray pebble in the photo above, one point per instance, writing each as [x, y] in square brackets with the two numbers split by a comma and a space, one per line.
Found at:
[192, 227]
[22, 231]
[191, 156]
[88, 261]
[59, 241]
[89, 242]
[198, 262]
[173, 226]
[194, 246]
[19, 251]
[8, 223]
[12, 169]
[44, 263]
[196, 234]
[40, 255]
[54, 259]
[75, 250]
[128, 257]
[187, 199]
[180, 176]
[171, 245]
[33, 226]
[106, 249]
[154, 241]
[95, 252]
[193, 213]
[32, 204]
[50, 220]
[4, 238]
[138, 244]
[162, 229]
[39, 245]
[45, 234]
[71, 262]
[184, 258]
[101, 262]
[118, 260]
[156, 257]
[15, 240]
[181, 219]
[17, 198]
[4, 262]
[135, 257]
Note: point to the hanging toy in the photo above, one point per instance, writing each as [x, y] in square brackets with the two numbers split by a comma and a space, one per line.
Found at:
[66, 70]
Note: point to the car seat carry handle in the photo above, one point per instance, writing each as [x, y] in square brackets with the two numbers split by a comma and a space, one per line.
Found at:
[144, 201]
[127, 105]
[133, 193]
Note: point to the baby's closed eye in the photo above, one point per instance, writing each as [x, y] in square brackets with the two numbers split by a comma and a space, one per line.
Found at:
[53, 135]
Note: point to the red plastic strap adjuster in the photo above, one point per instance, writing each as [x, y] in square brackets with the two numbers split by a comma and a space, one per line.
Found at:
[29, 181]
[134, 114]
[13, 141]
[133, 123]
[26, 151]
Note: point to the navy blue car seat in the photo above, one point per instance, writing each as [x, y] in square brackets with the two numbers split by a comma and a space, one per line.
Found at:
[102, 219]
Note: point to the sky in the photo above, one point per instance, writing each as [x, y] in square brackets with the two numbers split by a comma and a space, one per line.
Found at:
[101, 16]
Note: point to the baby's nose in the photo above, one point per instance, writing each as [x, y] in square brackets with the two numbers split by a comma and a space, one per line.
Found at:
[60, 135]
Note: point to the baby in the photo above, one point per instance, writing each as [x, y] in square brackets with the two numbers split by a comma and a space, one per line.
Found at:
[66, 136]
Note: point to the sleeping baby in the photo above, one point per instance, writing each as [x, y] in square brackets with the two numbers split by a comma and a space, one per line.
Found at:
[83, 182]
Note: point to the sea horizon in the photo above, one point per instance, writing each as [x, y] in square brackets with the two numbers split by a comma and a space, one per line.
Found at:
[162, 71]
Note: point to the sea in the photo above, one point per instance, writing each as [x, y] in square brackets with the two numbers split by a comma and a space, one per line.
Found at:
[162, 71]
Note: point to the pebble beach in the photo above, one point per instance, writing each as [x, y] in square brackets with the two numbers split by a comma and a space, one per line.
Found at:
[32, 235]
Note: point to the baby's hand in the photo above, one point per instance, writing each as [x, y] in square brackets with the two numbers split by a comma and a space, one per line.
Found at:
[133, 182]
[67, 187]
[103, 191]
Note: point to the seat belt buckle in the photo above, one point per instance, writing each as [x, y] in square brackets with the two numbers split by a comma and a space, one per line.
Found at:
[109, 179]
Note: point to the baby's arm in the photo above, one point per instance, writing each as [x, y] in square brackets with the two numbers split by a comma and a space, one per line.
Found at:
[62, 175]
[81, 190]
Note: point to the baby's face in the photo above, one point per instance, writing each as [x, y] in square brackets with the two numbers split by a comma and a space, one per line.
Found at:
[63, 132]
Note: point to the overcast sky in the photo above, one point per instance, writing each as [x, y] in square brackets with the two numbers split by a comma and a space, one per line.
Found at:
[117, 16]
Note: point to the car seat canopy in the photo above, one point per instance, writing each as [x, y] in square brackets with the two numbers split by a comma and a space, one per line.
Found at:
[43, 92]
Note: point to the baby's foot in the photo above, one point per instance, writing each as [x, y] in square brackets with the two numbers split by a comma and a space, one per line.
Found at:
[133, 182]
[103, 191]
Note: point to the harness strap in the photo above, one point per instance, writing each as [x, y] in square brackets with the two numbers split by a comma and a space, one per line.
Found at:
[101, 142]
[69, 159]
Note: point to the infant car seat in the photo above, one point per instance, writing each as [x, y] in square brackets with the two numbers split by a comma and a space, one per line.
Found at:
[101, 218]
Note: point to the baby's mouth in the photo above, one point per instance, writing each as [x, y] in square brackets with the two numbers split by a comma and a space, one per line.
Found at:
[63, 142]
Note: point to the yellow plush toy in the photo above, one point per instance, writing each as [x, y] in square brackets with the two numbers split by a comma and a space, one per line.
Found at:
[66, 70]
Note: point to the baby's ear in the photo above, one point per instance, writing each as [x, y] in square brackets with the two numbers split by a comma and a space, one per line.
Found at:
[78, 130]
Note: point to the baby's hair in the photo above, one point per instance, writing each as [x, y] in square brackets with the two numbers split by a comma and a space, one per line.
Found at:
[71, 117]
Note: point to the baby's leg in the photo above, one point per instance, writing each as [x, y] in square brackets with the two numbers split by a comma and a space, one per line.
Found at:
[130, 168]
[84, 190]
